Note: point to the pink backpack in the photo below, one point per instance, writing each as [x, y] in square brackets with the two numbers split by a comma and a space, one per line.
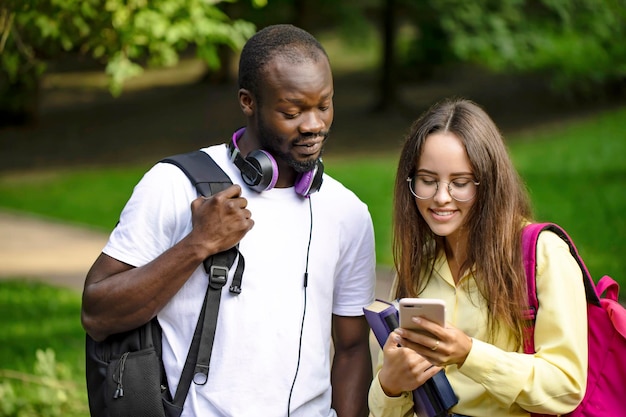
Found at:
[606, 379]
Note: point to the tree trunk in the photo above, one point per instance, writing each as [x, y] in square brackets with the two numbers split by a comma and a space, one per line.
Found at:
[19, 101]
[387, 84]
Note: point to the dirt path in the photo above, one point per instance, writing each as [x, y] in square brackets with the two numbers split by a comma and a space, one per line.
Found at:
[45, 250]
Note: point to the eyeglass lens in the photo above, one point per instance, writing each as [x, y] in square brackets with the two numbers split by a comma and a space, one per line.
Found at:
[425, 187]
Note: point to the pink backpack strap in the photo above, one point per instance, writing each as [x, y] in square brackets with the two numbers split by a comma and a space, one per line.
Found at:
[611, 304]
[530, 234]
[608, 285]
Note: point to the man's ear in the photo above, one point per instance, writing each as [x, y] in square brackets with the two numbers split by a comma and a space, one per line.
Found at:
[246, 102]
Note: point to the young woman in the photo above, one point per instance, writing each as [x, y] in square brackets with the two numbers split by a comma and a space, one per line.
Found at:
[459, 210]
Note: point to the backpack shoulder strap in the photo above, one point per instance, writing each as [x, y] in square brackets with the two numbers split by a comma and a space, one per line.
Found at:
[208, 178]
[530, 234]
[202, 171]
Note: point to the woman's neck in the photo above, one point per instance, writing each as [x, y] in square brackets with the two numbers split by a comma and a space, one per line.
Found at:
[456, 255]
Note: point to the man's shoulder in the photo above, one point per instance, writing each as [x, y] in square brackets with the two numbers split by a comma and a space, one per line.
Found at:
[217, 152]
[341, 198]
[339, 190]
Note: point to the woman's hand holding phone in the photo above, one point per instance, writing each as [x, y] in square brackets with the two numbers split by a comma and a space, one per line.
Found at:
[429, 335]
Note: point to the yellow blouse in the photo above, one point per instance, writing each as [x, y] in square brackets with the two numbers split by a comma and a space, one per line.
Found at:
[495, 380]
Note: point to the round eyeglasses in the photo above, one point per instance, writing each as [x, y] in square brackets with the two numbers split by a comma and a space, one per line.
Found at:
[425, 187]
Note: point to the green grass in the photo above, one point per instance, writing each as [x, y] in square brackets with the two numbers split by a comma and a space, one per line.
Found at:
[92, 197]
[37, 316]
[577, 176]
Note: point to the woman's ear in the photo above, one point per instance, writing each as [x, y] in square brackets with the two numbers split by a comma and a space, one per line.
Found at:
[246, 102]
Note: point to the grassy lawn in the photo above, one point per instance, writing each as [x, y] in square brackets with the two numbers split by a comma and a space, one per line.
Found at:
[576, 175]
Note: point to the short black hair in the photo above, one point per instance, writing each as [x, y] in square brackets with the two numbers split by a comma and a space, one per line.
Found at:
[287, 41]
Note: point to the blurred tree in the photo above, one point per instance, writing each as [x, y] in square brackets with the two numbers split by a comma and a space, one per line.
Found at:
[124, 35]
[574, 42]
[387, 86]
[571, 43]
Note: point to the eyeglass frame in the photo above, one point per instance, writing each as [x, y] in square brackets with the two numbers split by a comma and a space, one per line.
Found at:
[409, 181]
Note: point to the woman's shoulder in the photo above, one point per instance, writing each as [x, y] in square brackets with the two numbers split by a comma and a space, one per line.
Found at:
[553, 254]
[549, 241]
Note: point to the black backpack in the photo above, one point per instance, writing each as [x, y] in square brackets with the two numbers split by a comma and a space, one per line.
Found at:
[125, 373]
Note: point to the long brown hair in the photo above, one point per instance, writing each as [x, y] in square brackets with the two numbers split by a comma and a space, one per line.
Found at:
[494, 223]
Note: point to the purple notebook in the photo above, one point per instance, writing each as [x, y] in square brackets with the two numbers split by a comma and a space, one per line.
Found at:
[435, 397]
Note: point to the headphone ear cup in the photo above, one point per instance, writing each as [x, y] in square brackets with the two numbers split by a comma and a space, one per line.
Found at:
[310, 182]
[265, 173]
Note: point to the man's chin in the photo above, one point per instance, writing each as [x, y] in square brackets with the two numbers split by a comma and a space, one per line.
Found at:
[303, 166]
[303, 163]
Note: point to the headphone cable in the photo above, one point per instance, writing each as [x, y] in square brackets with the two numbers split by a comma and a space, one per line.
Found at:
[306, 283]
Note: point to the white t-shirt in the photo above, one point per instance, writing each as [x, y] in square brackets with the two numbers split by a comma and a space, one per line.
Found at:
[255, 353]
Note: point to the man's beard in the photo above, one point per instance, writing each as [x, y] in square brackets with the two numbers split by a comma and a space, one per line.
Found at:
[270, 141]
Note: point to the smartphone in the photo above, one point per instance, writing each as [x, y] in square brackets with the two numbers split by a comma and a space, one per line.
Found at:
[432, 309]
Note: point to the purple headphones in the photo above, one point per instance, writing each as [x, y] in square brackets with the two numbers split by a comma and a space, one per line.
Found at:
[260, 172]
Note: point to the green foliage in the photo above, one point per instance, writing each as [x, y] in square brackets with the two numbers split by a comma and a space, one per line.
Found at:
[48, 391]
[42, 322]
[125, 35]
[574, 41]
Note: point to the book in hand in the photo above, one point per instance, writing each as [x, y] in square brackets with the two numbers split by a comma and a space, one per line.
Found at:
[435, 397]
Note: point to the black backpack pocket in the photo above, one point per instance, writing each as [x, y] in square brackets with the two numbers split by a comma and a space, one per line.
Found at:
[133, 385]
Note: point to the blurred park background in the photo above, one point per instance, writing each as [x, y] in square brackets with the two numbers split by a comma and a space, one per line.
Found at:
[93, 92]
